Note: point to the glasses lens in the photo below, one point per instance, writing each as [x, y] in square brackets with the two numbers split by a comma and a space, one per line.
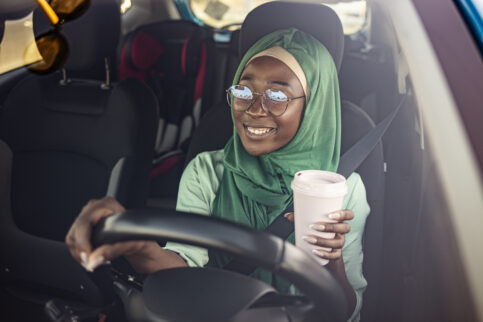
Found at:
[54, 51]
[275, 101]
[239, 97]
[69, 9]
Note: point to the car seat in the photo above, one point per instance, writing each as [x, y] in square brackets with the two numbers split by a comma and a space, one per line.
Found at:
[368, 76]
[164, 188]
[232, 61]
[70, 140]
[173, 58]
[216, 126]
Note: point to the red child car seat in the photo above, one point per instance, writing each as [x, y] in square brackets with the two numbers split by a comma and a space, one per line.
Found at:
[172, 58]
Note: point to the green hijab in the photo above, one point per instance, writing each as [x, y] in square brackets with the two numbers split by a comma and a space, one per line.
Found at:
[255, 190]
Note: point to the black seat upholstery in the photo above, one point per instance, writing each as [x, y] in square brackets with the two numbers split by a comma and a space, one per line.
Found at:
[207, 136]
[70, 141]
[368, 77]
[75, 142]
[232, 60]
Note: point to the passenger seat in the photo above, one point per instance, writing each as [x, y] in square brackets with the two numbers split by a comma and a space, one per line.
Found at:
[70, 140]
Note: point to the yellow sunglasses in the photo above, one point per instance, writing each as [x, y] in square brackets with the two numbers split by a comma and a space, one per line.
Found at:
[52, 45]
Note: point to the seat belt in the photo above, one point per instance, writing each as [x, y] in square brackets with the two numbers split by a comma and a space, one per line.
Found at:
[348, 163]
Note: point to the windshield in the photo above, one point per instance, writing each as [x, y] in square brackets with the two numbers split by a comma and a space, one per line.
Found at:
[221, 13]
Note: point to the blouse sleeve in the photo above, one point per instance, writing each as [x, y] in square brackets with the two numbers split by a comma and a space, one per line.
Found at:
[195, 196]
[352, 251]
[197, 190]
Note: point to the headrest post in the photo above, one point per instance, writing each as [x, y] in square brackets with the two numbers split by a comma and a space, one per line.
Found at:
[107, 84]
[64, 81]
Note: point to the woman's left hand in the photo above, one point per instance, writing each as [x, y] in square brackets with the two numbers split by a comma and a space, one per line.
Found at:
[340, 228]
[336, 264]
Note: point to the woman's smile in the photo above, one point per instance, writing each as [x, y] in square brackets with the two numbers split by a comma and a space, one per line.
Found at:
[258, 132]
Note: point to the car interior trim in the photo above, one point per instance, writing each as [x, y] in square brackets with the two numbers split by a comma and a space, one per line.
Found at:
[115, 178]
[462, 187]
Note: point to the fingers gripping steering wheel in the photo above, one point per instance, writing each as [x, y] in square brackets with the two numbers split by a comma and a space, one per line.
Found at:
[207, 294]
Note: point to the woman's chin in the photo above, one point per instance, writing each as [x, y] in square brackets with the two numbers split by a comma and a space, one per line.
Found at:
[255, 149]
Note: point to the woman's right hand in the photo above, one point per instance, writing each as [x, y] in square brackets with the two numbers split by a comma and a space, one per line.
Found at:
[144, 256]
[79, 236]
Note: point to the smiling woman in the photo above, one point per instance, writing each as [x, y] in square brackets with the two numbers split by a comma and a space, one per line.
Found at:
[248, 182]
[423, 180]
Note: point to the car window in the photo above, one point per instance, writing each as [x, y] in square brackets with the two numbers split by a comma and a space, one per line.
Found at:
[125, 5]
[221, 13]
[17, 46]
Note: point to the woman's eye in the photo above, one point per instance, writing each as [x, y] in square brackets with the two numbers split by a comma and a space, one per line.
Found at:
[242, 92]
[276, 95]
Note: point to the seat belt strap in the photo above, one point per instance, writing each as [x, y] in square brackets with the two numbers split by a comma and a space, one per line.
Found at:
[348, 163]
[356, 154]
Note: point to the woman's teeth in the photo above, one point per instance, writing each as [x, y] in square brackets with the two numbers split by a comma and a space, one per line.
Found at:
[258, 131]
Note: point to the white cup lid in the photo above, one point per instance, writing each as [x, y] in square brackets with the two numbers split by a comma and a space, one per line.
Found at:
[319, 183]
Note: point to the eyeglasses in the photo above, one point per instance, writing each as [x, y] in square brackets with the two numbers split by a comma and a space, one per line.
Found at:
[52, 45]
[274, 101]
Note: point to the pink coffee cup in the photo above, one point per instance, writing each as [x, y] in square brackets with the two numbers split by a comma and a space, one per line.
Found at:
[316, 194]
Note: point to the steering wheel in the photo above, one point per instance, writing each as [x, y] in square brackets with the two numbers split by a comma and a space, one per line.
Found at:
[208, 294]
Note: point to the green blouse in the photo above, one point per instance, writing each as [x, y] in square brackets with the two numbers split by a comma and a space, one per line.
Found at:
[197, 191]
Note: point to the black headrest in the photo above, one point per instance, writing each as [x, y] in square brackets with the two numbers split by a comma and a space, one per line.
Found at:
[235, 42]
[316, 19]
[91, 37]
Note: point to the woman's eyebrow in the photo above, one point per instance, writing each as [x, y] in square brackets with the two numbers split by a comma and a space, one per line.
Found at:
[280, 83]
[276, 82]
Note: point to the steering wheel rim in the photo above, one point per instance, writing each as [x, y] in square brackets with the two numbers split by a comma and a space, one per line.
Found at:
[242, 242]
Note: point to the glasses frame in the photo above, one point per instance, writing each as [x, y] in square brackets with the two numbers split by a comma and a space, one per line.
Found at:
[264, 96]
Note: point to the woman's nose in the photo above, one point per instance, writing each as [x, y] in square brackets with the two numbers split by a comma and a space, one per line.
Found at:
[256, 110]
